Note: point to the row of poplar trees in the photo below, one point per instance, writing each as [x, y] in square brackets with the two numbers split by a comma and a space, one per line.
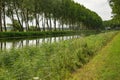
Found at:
[47, 15]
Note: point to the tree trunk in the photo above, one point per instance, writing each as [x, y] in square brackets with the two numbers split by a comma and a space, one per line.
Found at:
[50, 24]
[27, 20]
[47, 24]
[37, 22]
[22, 20]
[1, 16]
[25, 15]
[4, 19]
[12, 18]
[16, 10]
[59, 26]
[43, 22]
[55, 25]
[62, 25]
[1, 22]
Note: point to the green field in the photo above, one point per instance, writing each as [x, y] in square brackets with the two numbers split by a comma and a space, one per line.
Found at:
[51, 61]
[104, 66]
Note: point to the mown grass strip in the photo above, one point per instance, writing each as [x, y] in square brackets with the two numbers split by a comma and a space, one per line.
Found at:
[104, 66]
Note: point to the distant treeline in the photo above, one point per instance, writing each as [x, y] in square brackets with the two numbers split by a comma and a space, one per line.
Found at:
[112, 24]
[46, 15]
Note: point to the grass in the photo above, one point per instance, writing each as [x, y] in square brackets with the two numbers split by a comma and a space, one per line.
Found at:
[42, 34]
[50, 61]
[104, 66]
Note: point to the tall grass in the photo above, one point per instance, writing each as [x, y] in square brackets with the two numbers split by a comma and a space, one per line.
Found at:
[41, 34]
[50, 61]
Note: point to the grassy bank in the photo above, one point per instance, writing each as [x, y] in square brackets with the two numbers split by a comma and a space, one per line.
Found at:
[42, 34]
[50, 61]
[104, 66]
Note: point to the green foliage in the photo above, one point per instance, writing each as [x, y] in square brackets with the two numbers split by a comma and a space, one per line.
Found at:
[50, 61]
[115, 7]
[116, 11]
[104, 66]
[113, 24]
[65, 12]
[43, 34]
[16, 26]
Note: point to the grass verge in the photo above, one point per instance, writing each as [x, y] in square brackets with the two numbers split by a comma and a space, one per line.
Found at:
[42, 34]
[104, 66]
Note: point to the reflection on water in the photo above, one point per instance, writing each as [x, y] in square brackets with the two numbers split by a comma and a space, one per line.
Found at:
[21, 43]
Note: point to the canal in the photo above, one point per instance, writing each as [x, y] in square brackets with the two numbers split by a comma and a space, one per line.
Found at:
[16, 43]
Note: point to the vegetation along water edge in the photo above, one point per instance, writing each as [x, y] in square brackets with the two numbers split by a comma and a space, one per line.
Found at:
[104, 66]
[54, 61]
[30, 34]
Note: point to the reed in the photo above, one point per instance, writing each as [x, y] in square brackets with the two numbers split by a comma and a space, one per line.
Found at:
[54, 61]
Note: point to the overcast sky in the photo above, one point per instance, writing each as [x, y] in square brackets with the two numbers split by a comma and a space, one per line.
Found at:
[101, 7]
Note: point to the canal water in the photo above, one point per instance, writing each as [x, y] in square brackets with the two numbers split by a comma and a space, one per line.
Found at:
[19, 43]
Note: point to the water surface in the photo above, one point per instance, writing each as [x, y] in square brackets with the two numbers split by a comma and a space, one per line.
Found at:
[19, 43]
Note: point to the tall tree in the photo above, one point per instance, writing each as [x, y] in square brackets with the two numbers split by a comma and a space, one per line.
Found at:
[47, 12]
[1, 15]
[115, 5]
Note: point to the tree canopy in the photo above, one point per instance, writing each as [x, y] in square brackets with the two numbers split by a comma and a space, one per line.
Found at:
[115, 5]
[47, 15]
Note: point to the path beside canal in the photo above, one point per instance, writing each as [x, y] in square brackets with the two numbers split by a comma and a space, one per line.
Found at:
[104, 66]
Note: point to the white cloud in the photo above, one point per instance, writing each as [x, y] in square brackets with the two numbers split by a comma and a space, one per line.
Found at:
[101, 7]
